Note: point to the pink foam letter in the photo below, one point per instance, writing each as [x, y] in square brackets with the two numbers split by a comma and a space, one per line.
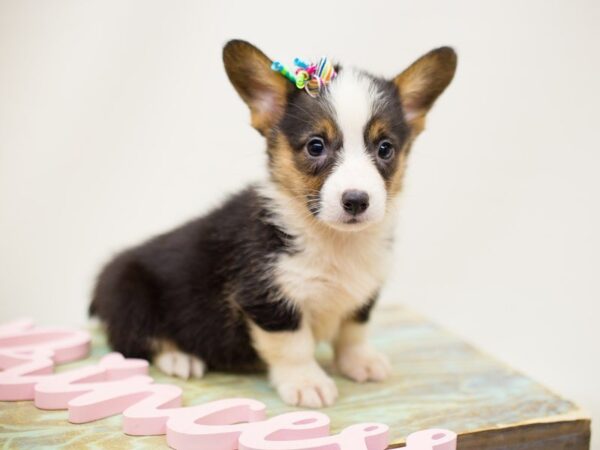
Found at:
[28, 354]
[434, 439]
[23, 337]
[309, 430]
[216, 425]
[55, 391]
[116, 397]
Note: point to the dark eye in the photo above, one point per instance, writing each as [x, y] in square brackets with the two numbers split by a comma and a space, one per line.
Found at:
[315, 147]
[385, 150]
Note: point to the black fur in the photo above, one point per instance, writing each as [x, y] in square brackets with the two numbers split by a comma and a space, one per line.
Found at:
[195, 286]
[363, 314]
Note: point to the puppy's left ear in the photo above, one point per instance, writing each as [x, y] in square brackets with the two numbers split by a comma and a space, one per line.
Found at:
[422, 83]
[264, 90]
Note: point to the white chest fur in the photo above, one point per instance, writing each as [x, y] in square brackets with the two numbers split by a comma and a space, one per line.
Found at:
[332, 275]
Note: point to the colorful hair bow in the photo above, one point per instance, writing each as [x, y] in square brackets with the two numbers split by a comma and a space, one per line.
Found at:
[310, 77]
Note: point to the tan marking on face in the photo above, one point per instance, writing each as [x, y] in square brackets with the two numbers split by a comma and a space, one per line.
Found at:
[291, 168]
[378, 129]
[328, 129]
[285, 172]
[394, 186]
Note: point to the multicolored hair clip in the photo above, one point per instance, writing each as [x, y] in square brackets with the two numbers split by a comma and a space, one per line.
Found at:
[310, 77]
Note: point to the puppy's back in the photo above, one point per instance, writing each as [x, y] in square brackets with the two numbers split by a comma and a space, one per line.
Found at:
[183, 287]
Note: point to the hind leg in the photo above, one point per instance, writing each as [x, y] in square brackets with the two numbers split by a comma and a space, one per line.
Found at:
[172, 361]
[127, 301]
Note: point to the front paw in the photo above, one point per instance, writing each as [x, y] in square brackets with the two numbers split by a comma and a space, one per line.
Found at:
[305, 385]
[362, 363]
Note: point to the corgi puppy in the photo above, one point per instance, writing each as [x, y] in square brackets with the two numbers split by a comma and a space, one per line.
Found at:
[291, 262]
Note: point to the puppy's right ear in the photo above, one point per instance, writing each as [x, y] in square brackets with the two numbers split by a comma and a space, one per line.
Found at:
[422, 83]
[264, 90]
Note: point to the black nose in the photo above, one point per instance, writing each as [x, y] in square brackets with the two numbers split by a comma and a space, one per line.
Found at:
[355, 202]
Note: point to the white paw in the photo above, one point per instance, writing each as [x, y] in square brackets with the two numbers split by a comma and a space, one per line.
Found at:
[180, 364]
[362, 363]
[306, 386]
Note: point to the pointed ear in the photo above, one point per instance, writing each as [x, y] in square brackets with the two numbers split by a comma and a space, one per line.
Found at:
[422, 83]
[264, 90]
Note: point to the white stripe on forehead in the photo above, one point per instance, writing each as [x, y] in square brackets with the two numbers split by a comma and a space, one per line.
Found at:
[352, 97]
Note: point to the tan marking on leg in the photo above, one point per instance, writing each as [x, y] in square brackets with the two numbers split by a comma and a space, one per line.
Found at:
[355, 358]
[293, 370]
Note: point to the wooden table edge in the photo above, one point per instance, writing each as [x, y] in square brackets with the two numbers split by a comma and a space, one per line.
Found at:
[571, 430]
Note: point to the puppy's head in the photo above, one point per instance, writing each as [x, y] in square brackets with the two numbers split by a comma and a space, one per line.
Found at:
[339, 156]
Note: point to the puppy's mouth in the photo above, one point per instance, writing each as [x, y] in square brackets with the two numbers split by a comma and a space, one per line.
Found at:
[348, 223]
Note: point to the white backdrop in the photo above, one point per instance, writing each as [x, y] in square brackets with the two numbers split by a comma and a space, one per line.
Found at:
[117, 122]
